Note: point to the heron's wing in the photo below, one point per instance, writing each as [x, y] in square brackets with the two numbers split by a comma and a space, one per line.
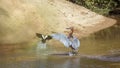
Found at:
[62, 38]
[39, 35]
[75, 43]
[49, 37]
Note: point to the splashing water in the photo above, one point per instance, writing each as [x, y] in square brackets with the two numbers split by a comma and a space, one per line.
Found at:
[41, 49]
[41, 45]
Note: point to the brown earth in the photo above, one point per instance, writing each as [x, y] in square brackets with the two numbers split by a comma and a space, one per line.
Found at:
[21, 19]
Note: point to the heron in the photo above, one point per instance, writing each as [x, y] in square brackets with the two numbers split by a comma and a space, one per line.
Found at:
[69, 41]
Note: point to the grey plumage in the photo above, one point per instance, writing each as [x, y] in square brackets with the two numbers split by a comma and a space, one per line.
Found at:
[68, 42]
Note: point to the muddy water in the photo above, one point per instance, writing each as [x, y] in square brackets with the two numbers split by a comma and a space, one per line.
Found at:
[100, 50]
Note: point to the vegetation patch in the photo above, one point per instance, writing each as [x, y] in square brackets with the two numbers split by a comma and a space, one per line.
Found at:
[104, 7]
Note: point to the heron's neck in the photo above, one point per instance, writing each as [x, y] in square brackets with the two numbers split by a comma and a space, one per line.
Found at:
[71, 34]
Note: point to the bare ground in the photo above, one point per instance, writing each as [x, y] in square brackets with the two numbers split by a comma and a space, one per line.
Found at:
[23, 18]
[83, 20]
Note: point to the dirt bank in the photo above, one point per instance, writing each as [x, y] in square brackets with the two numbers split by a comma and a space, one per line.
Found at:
[23, 18]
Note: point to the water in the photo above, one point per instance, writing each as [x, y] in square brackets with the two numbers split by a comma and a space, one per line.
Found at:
[29, 59]
[101, 50]
[41, 45]
[16, 56]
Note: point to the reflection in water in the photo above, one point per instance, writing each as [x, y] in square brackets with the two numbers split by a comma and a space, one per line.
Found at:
[58, 62]
[70, 61]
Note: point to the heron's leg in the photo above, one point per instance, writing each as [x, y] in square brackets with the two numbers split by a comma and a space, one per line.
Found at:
[73, 51]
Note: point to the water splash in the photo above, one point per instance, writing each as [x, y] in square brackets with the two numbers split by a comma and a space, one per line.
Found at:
[41, 49]
[41, 45]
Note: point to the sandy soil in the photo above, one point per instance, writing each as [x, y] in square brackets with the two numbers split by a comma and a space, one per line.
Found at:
[83, 20]
[23, 18]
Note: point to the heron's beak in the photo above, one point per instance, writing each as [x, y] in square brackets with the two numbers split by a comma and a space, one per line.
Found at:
[68, 28]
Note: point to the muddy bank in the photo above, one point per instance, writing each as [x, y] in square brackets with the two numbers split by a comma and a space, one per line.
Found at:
[22, 19]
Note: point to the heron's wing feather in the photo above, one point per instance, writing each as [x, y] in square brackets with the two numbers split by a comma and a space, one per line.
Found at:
[75, 43]
[49, 37]
[39, 35]
[62, 38]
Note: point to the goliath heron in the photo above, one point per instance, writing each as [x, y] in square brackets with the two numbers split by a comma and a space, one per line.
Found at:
[68, 41]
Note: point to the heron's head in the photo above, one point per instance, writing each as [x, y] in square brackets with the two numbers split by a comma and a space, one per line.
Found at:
[71, 28]
[70, 32]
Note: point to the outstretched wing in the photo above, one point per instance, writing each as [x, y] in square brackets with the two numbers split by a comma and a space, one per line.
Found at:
[45, 37]
[62, 38]
[49, 37]
[75, 43]
[39, 35]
